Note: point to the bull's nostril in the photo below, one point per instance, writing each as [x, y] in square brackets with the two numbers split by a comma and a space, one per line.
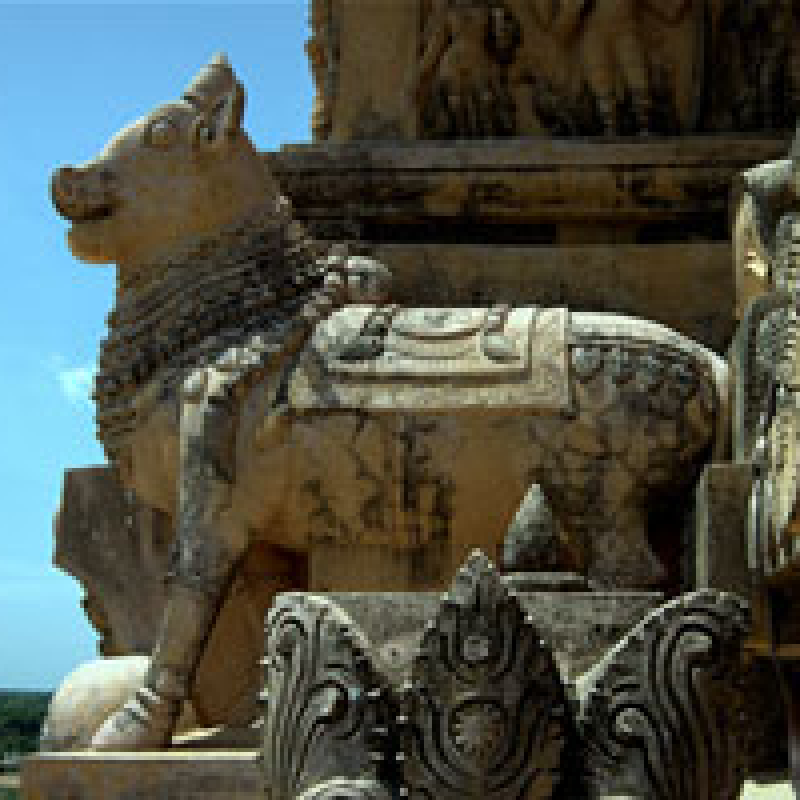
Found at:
[81, 195]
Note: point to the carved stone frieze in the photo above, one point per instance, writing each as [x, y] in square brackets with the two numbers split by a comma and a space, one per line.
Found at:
[761, 93]
[456, 69]
[664, 714]
[485, 713]
[326, 708]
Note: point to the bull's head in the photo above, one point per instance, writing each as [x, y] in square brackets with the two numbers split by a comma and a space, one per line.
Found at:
[182, 172]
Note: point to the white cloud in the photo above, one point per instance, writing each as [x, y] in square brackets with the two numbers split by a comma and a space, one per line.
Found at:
[76, 384]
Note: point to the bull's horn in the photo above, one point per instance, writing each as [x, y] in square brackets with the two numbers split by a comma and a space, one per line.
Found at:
[211, 83]
[221, 60]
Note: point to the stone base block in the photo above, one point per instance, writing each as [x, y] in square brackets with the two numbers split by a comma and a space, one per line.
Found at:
[143, 776]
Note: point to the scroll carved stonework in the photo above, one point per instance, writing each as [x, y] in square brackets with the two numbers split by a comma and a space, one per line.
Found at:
[485, 712]
[326, 708]
[664, 713]
[341, 789]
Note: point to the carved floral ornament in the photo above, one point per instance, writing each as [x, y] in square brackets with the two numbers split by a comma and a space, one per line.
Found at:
[668, 713]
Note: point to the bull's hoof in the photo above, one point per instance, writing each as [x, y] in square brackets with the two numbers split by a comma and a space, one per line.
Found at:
[145, 722]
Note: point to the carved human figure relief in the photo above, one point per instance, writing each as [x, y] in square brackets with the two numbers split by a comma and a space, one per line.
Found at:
[458, 86]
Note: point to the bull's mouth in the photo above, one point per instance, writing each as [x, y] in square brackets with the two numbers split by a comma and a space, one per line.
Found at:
[93, 215]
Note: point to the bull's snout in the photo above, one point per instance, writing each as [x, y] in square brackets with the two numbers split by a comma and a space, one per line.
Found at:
[81, 194]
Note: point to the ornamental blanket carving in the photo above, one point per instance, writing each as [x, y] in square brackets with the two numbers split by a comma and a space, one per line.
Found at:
[438, 359]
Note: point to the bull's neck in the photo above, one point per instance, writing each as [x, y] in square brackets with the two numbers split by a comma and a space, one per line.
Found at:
[220, 246]
[175, 315]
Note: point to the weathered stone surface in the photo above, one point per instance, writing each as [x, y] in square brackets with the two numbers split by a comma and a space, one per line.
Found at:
[376, 43]
[722, 505]
[534, 542]
[117, 549]
[217, 776]
[145, 776]
[408, 442]
[86, 698]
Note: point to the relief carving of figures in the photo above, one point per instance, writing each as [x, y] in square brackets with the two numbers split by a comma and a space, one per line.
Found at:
[612, 62]
[494, 68]
[459, 86]
[762, 92]
[534, 67]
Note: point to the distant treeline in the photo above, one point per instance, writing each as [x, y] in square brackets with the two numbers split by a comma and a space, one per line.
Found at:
[21, 717]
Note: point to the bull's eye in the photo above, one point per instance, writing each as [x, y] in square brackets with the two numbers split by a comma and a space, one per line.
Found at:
[163, 133]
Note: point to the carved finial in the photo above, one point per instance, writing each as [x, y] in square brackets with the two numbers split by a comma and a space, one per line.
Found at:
[485, 714]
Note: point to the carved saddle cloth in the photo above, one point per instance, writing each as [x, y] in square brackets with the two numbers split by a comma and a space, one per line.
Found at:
[385, 359]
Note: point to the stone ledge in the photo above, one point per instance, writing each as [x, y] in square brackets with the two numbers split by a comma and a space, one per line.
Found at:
[531, 153]
[173, 775]
[521, 180]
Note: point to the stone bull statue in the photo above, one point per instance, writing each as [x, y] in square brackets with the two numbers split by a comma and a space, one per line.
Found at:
[251, 388]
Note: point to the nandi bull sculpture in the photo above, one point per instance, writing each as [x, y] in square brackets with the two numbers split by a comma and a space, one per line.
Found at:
[249, 388]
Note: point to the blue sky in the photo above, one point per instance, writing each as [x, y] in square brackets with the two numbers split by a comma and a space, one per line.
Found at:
[71, 76]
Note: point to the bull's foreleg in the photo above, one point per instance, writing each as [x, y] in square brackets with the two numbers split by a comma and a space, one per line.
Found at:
[208, 546]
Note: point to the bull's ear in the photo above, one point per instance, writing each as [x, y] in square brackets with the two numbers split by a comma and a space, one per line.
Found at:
[213, 131]
[219, 99]
[230, 122]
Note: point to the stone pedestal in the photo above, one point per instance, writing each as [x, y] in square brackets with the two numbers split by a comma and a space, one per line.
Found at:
[578, 627]
[194, 776]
